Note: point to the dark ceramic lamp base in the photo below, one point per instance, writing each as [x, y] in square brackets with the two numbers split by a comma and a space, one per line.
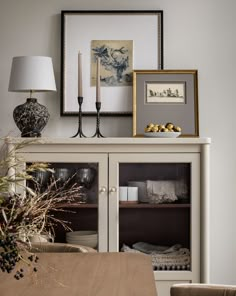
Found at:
[31, 117]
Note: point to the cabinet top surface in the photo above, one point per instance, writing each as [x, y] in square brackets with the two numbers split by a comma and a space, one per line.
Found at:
[111, 141]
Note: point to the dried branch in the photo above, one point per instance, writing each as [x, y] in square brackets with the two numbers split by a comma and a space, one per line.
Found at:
[31, 211]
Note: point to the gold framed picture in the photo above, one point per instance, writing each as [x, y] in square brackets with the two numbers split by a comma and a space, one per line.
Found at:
[166, 96]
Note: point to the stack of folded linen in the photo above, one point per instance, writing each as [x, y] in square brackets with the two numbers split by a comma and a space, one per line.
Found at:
[163, 257]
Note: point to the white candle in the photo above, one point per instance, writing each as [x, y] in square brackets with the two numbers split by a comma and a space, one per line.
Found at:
[98, 91]
[80, 89]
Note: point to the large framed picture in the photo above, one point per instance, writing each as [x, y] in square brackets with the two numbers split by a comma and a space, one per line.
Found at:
[165, 96]
[124, 40]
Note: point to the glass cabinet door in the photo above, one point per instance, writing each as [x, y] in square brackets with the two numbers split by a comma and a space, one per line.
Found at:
[154, 203]
[88, 211]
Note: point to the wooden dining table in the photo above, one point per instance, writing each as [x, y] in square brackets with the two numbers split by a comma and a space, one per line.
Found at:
[83, 274]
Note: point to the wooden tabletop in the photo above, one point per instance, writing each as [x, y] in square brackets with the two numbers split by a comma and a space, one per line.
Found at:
[84, 274]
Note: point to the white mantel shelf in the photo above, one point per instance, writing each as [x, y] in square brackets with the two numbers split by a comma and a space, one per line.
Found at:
[112, 145]
[107, 141]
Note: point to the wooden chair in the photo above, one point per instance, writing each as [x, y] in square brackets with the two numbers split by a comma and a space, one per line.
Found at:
[202, 290]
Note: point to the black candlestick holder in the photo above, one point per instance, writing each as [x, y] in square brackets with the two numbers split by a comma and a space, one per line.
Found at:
[80, 132]
[98, 133]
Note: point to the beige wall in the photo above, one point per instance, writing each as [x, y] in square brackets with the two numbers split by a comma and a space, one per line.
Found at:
[198, 35]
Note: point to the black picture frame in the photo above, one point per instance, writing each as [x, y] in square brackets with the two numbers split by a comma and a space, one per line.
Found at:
[89, 19]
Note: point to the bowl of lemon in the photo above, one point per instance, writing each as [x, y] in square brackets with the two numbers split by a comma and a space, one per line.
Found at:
[168, 130]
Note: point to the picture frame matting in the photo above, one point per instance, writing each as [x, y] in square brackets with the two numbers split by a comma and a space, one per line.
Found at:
[79, 28]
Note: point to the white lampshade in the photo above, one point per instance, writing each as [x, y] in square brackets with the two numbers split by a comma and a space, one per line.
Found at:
[32, 73]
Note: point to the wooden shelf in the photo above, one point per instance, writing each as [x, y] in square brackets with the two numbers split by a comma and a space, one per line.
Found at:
[79, 206]
[130, 206]
[153, 206]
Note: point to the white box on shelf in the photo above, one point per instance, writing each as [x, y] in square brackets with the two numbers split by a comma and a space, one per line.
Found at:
[132, 193]
[142, 190]
[123, 193]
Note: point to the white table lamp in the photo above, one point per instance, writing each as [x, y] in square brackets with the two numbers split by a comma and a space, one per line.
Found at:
[31, 74]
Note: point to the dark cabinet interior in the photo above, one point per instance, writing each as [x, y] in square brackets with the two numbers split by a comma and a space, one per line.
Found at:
[83, 217]
[164, 224]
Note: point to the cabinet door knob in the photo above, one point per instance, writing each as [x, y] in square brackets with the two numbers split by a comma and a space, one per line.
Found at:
[113, 189]
[103, 189]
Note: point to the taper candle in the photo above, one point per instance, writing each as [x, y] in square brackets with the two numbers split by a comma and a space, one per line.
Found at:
[80, 88]
[98, 90]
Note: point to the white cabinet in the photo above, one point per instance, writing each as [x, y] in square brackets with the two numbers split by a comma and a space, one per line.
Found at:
[120, 160]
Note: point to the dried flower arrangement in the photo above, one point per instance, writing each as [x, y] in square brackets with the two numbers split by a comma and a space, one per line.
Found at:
[27, 213]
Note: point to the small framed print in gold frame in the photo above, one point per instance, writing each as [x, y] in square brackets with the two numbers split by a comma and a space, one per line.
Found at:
[162, 96]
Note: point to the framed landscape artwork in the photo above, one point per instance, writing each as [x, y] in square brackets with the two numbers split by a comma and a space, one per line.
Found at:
[165, 92]
[124, 40]
[165, 96]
